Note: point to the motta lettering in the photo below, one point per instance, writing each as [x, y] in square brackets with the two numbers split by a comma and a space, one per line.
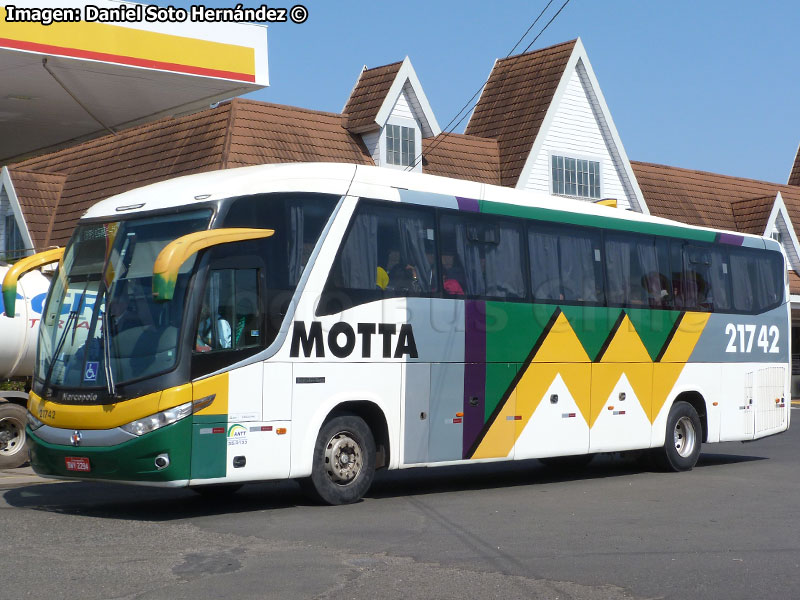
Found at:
[392, 341]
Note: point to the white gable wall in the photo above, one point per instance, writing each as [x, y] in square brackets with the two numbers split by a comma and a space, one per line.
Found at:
[9, 205]
[405, 113]
[578, 130]
[5, 210]
[372, 141]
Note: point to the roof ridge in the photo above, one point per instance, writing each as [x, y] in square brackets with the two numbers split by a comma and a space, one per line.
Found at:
[397, 62]
[700, 172]
[517, 56]
[287, 106]
[226, 145]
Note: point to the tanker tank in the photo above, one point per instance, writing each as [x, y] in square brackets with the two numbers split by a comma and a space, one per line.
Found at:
[17, 355]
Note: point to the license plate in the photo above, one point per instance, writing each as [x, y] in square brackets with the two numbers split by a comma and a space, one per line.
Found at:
[77, 463]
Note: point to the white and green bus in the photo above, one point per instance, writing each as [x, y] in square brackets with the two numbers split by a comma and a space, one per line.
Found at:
[322, 321]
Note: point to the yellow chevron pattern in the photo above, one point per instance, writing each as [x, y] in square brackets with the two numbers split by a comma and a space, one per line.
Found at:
[590, 384]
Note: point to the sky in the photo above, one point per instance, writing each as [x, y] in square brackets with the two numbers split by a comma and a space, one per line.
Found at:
[702, 84]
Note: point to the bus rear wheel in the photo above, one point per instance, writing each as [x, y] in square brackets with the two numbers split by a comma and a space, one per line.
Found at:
[683, 440]
[344, 461]
[13, 448]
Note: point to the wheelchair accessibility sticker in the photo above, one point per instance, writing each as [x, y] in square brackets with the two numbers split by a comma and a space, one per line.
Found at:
[90, 374]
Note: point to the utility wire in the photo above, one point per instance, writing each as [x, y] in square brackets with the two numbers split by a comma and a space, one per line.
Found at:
[469, 106]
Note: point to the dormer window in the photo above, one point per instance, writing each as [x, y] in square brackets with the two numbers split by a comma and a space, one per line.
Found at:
[13, 246]
[575, 177]
[400, 147]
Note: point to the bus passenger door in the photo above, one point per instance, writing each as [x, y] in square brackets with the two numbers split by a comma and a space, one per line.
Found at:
[445, 433]
[416, 417]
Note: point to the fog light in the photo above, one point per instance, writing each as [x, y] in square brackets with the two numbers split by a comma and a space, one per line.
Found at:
[162, 461]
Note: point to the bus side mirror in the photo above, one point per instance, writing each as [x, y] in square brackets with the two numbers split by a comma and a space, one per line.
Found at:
[19, 269]
[169, 260]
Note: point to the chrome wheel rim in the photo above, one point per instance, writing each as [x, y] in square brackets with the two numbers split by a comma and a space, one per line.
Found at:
[12, 437]
[684, 437]
[344, 458]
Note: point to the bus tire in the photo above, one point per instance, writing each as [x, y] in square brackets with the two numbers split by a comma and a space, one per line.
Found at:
[13, 439]
[683, 439]
[344, 460]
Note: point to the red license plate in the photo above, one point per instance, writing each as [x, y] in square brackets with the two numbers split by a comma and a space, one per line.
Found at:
[77, 463]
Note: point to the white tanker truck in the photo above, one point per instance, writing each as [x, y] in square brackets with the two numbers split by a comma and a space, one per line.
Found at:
[17, 355]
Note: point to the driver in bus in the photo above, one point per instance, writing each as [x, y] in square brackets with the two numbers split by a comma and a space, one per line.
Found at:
[207, 338]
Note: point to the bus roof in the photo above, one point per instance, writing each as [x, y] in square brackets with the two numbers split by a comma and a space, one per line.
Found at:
[389, 184]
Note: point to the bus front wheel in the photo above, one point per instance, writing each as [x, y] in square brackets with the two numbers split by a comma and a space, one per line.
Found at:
[13, 447]
[344, 460]
[684, 437]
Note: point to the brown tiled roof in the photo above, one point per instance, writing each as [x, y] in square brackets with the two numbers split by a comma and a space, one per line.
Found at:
[367, 97]
[514, 102]
[713, 200]
[751, 214]
[794, 283]
[273, 133]
[134, 157]
[462, 156]
[794, 177]
[239, 133]
[38, 195]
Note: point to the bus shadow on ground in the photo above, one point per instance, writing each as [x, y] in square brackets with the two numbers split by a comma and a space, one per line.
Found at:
[115, 501]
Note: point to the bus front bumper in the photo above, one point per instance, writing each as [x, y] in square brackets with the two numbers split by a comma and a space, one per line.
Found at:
[131, 461]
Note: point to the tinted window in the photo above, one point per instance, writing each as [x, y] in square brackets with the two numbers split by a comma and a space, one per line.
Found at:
[565, 264]
[388, 251]
[757, 280]
[482, 257]
[298, 220]
[633, 274]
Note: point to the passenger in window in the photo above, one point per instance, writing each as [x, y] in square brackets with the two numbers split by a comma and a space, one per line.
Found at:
[656, 286]
[207, 337]
[403, 278]
[451, 275]
[381, 278]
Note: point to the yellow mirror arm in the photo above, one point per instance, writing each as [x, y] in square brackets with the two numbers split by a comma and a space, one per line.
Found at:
[169, 260]
[21, 267]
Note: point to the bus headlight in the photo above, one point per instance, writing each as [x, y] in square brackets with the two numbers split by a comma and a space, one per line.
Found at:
[34, 423]
[158, 420]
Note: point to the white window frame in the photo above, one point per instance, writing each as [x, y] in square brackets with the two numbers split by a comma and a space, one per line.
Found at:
[576, 157]
[409, 124]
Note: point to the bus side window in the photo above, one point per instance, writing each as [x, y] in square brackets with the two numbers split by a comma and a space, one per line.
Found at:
[565, 264]
[388, 252]
[757, 280]
[482, 258]
[633, 276]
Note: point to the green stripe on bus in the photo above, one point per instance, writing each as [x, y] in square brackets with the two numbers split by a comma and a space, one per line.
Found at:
[592, 325]
[209, 449]
[653, 327]
[570, 218]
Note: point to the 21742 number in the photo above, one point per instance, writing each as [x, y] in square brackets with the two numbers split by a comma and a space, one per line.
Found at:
[767, 339]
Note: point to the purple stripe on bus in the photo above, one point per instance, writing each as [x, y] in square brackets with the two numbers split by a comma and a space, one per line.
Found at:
[467, 204]
[730, 238]
[474, 371]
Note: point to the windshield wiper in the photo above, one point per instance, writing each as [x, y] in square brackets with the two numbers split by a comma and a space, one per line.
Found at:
[73, 317]
[106, 337]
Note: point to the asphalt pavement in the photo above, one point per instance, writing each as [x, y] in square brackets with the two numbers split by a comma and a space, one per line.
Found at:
[729, 529]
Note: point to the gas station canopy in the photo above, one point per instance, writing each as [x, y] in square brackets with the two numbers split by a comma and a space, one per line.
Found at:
[66, 82]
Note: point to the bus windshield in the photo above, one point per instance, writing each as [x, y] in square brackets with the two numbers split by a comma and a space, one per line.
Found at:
[105, 284]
